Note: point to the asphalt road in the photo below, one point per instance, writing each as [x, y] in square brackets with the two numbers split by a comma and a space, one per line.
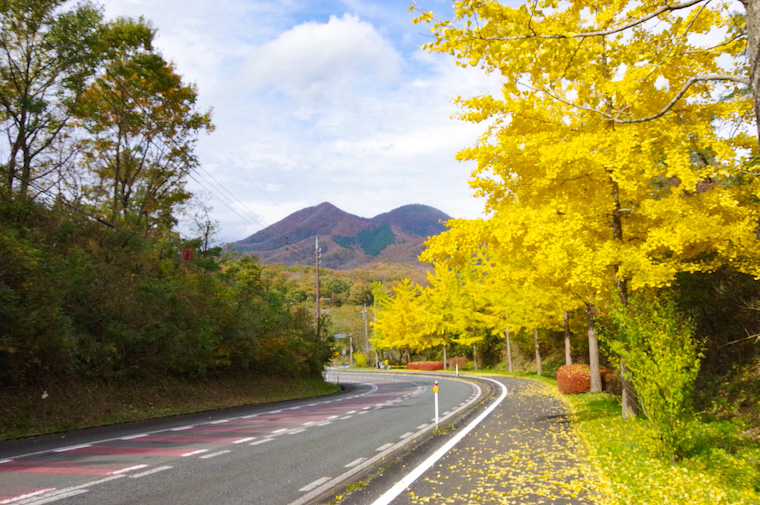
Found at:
[291, 453]
[515, 448]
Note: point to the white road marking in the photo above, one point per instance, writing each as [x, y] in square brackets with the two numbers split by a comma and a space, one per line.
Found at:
[182, 428]
[132, 437]
[262, 441]
[56, 497]
[193, 453]
[407, 481]
[131, 468]
[355, 462]
[73, 448]
[407, 434]
[215, 454]
[244, 440]
[384, 447]
[150, 472]
[314, 484]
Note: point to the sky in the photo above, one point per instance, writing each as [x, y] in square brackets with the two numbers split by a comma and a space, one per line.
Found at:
[318, 101]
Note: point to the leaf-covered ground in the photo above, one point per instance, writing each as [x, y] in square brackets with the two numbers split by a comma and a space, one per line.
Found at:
[524, 453]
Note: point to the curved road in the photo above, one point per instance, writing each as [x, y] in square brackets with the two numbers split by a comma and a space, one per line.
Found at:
[290, 453]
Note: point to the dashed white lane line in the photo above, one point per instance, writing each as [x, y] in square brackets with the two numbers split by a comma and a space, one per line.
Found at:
[407, 434]
[299, 430]
[244, 440]
[215, 454]
[71, 491]
[314, 484]
[59, 496]
[344, 417]
[194, 453]
[323, 423]
[355, 462]
[422, 426]
[384, 447]
[262, 441]
[151, 471]
[129, 469]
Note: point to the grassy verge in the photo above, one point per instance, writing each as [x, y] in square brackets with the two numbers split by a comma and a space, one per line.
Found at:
[70, 406]
[723, 466]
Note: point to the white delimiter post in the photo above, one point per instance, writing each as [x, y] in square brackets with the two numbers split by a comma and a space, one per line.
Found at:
[435, 391]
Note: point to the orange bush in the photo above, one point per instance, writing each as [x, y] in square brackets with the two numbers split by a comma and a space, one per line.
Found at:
[575, 379]
[425, 365]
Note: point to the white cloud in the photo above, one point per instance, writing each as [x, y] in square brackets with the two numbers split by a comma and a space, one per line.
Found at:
[320, 101]
[316, 61]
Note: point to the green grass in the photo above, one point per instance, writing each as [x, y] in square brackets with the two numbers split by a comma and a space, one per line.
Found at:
[722, 467]
[79, 405]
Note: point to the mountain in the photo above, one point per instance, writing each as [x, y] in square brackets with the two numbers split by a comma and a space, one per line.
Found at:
[346, 241]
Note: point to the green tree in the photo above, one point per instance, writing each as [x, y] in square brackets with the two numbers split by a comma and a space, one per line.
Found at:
[142, 124]
[47, 57]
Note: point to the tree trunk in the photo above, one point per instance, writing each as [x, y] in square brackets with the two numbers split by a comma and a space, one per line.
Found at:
[509, 352]
[539, 370]
[445, 362]
[630, 405]
[474, 357]
[752, 9]
[568, 349]
[593, 352]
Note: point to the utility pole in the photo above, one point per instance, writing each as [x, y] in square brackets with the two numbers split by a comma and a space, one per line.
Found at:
[316, 262]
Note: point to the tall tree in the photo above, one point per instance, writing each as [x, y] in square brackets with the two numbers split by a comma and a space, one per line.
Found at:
[142, 123]
[47, 57]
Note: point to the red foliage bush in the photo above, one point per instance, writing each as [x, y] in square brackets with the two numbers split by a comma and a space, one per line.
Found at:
[425, 365]
[453, 362]
[575, 379]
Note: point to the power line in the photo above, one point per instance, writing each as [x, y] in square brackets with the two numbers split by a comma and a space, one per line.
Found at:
[234, 203]
[58, 197]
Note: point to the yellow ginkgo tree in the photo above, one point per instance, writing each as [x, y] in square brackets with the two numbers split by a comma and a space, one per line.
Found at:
[617, 154]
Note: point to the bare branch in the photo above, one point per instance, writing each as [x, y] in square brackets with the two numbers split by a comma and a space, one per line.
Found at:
[600, 33]
[670, 105]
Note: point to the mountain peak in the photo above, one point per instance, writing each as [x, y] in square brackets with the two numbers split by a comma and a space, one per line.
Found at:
[347, 241]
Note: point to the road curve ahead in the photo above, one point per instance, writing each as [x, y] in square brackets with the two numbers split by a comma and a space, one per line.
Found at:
[290, 453]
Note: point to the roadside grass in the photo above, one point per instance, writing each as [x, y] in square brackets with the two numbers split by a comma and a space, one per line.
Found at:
[722, 467]
[71, 406]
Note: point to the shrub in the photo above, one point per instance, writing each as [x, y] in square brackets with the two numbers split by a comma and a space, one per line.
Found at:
[361, 359]
[663, 357]
[425, 365]
[576, 379]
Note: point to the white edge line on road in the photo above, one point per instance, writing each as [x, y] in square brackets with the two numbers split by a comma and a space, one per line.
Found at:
[313, 494]
[387, 497]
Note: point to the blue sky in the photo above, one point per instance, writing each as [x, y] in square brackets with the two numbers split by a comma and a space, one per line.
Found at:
[318, 101]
